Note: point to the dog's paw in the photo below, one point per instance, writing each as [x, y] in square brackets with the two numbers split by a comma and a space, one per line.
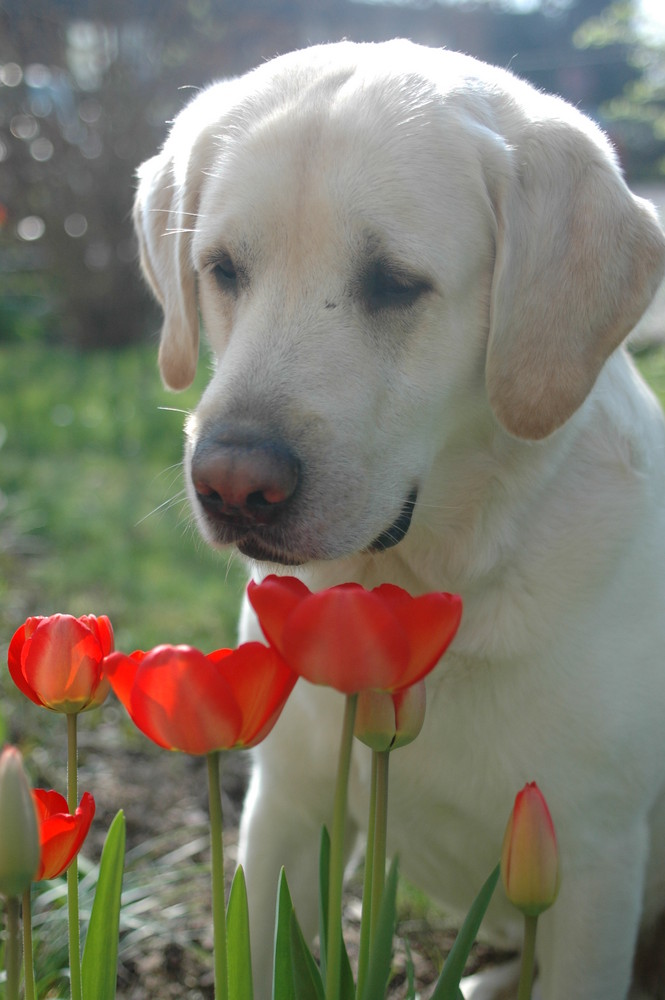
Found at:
[497, 983]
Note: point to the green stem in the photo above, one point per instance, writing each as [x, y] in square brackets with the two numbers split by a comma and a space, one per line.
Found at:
[380, 836]
[27, 946]
[334, 954]
[366, 916]
[218, 894]
[528, 958]
[13, 949]
[72, 871]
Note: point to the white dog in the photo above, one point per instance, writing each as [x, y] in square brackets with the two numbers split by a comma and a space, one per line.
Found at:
[414, 272]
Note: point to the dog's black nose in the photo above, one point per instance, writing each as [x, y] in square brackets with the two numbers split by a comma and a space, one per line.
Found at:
[242, 479]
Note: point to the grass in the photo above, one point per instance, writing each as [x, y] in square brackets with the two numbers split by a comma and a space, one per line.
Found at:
[93, 517]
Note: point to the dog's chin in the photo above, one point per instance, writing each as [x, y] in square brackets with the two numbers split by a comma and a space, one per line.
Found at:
[259, 547]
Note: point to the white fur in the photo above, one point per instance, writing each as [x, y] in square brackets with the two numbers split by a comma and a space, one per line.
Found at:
[503, 395]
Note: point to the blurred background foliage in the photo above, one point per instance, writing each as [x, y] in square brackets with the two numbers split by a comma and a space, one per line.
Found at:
[87, 87]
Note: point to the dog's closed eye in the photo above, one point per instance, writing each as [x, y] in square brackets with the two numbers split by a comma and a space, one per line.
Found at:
[225, 273]
[386, 285]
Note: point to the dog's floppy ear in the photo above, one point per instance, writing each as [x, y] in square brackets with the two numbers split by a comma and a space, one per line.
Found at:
[578, 259]
[165, 213]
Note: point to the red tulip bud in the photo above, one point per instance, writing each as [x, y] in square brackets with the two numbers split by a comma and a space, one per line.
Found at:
[387, 721]
[529, 859]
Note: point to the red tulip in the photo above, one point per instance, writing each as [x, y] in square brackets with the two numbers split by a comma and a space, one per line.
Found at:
[61, 834]
[529, 859]
[354, 639]
[184, 700]
[57, 661]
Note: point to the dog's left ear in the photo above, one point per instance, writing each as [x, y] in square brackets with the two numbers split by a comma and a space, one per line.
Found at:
[165, 213]
[578, 259]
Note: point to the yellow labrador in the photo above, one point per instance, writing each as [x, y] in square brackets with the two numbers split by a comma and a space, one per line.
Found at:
[414, 272]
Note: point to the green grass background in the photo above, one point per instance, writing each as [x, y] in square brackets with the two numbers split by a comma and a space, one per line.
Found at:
[92, 512]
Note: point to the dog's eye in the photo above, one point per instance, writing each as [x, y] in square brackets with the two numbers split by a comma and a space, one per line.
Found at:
[225, 273]
[387, 287]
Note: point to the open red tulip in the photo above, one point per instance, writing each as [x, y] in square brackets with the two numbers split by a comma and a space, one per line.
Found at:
[185, 700]
[57, 661]
[354, 639]
[61, 833]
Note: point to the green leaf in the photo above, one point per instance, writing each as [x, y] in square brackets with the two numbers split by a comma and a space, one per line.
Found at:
[282, 981]
[99, 967]
[306, 976]
[237, 935]
[447, 988]
[380, 960]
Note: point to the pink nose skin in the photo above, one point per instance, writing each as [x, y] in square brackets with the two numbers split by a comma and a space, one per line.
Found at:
[244, 482]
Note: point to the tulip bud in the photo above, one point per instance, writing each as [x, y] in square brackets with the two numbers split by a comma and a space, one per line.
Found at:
[387, 721]
[19, 833]
[529, 859]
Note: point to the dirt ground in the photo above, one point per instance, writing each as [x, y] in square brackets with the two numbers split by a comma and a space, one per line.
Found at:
[166, 931]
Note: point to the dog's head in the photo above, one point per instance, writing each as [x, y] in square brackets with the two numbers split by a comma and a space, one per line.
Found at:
[391, 248]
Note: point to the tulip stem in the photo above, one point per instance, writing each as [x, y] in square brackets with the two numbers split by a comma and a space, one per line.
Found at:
[528, 958]
[380, 836]
[337, 837]
[13, 949]
[218, 894]
[29, 965]
[375, 862]
[72, 871]
[366, 915]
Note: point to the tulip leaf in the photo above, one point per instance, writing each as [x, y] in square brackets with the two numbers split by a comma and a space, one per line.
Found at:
[347, 985]
[237, 931]
[282, 984]
[306, 976]
[296, 975]
[447, 988]
[380, 961]
[99, 967]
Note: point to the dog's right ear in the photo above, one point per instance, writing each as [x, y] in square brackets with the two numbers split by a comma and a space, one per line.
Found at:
[165, 213]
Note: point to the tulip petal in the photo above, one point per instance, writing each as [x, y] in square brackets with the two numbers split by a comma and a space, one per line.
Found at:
[345, 638]
[61, 833]
[273, 600]
[261, 683]
[120, 670]
[180, 701]
[101, 626]
[16, 655]
[430, 621]
[62, 663]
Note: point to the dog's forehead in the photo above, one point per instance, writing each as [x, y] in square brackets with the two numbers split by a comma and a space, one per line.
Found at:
[350, 149]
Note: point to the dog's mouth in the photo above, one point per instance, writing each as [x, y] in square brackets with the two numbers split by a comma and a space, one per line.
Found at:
[258, 544]
[398, 529]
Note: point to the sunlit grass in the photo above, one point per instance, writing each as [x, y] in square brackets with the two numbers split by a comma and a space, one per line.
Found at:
[93, 514]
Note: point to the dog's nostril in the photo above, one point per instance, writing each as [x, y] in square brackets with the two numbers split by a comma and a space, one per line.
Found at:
[244, 481]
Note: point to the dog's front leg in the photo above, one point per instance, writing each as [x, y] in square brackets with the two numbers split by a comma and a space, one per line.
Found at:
[289, 799]
[587, 940]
